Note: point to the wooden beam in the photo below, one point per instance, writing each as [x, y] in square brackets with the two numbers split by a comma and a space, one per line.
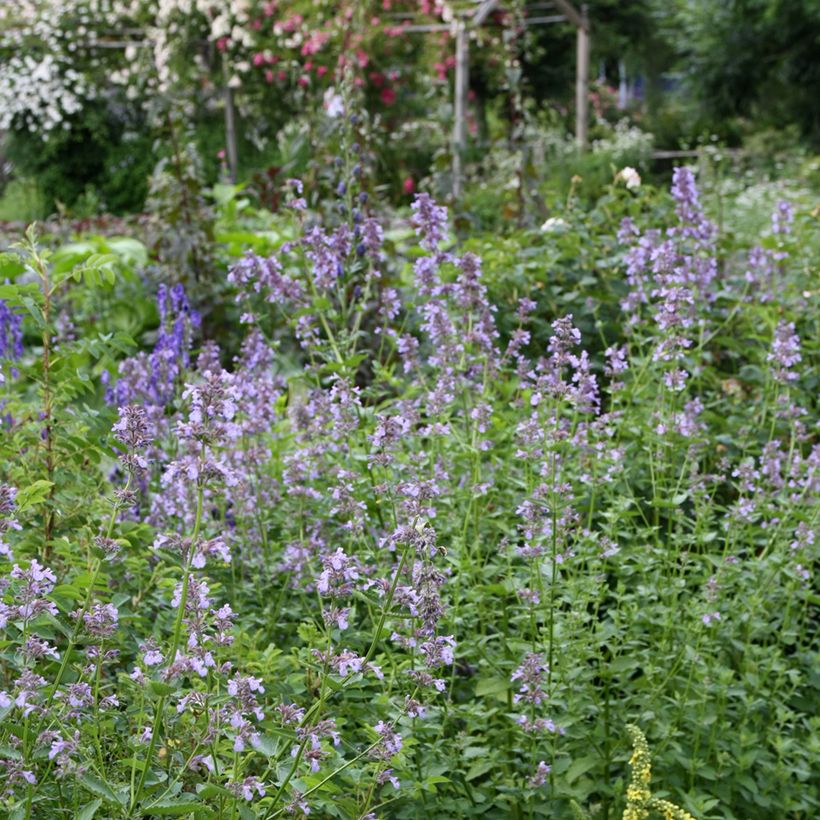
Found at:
[484, 11]
[674, 154]
[439, 27]
[577, 18]
[424, 29]
[120, 44]
[545, 20]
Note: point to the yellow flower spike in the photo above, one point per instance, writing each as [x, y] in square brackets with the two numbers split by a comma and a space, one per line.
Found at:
[639, 800]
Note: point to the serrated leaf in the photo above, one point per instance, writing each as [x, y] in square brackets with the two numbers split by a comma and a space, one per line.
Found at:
[175, 806]
[208, 790]
[100, 788]
[33, 494]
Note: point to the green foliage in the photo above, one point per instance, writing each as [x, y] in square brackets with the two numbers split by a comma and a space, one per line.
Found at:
[652, 544]
[100, 164]
[21, 201]
[753, 58]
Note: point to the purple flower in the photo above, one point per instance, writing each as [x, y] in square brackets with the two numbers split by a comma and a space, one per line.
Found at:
[248, 787]
[37, 648]
[16, 775]
[36, 583]
[27, 687]
[100, 620]
[11, 336]
[288, 713]
[78, 696]
[539, 725]
[672, 272]
[338, 573]
[388, 776]
[531, 675]
[539, 778]
[782, 218]
[132, 427]
[390, 742]
[565, 337]
[152, 380]
[298, 805]
[7, 520]
[326, 253]
[429, 220]
[785, 352]
[62, 750]
[438, 651]
[690, 214]
[254, 274]
[423, 678]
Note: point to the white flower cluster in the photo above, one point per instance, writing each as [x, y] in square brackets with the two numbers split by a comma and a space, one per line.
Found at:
[171, 23]
[55, 55]
[626, 142]
[39, 93]
[41, 83]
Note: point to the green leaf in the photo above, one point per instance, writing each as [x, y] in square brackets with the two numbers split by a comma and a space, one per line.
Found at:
[478, 769]
[101, 789]
[492, 686]
[267, 745]
[131, 251]
[160, 688]
[34, 309]
[10, 266]
[9, 293]
[88, 811]
[34, 494]
[175, 806]
[223, 193]
[580, 766]
[208, 790]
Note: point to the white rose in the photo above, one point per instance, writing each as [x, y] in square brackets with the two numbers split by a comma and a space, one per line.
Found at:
[630, 177]
[554, 225]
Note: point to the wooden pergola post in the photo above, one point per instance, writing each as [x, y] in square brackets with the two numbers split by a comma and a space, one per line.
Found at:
[462, 28]
[582, 82]
[230, 129]
[581, 22]
[462, 83]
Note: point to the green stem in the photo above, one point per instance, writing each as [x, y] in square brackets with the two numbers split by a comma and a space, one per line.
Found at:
[183, 599]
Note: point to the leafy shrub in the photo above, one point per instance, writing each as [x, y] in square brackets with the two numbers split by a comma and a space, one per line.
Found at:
[101, 154]
[409, 555]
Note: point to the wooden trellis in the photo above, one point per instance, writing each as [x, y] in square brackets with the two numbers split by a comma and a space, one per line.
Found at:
[461, 27]
[476, 18]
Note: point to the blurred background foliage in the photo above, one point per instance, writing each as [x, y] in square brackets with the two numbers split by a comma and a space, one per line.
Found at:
[693, 73]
